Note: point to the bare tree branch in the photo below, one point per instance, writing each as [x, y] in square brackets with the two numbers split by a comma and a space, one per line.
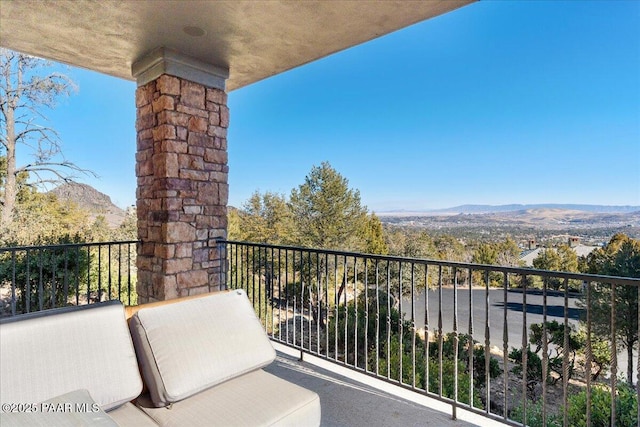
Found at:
[25, 90]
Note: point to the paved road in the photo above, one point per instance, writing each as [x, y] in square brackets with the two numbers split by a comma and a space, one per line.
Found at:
[513, 309]
[497, 309]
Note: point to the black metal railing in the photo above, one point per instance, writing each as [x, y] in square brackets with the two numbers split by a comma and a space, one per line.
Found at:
[34, 278]
[523, 346]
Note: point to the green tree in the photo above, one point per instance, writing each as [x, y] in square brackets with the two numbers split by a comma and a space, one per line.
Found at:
[553, 334]
[448, 248]
[508, 253]
[41, 219]
[547, 259]
[373, 236]
[327, 212]
[620, 257]
[26, 89]
[407, 242]
[266, 218]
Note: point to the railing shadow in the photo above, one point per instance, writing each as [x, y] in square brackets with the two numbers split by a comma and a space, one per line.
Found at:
[552, 310]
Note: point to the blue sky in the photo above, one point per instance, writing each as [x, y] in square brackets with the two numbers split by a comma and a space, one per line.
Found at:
[498, 102]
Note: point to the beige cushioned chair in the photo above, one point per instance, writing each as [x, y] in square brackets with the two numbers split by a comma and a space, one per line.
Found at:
[201, 360]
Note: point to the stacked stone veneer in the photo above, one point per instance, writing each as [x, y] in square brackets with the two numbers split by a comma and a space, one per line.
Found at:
[182, 187]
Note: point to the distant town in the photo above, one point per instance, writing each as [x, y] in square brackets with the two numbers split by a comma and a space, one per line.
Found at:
[531, 226]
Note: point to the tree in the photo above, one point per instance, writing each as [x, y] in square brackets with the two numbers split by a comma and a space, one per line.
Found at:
[620, 257]
[508, 253]
[40, 219]
[547, 259]
[373, 236]
[25, 90]
[328, 213]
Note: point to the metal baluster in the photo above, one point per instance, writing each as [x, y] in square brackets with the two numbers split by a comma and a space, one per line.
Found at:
[40, 281]
[377, 358]
[28, 284]
[525, 350]
[287, 284]
[109, 264]
[355, 302]
[426, 327]
[99, 273]
[13, 283]
[454, 407]
[388, 320]
[413, 326]
[505, 342]
[614, 355]
[129, 274]
[120, 272]
[280, 294]
[487, 344]
[471, 342]
[565, 359]
[310, 309]
[335, 305]
[326, 299]
[258, 270]
[366, 315]
[88, 275]
[345, 281]
[440, 337]
[54, 286]
[588, 354]
[545, 349]
[270, 297]
[319, 298]
[400, 324]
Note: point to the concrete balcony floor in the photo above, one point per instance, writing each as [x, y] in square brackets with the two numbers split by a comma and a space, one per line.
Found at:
[354, 399]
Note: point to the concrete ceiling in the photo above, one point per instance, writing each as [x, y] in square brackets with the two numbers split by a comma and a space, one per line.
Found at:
[253, 39]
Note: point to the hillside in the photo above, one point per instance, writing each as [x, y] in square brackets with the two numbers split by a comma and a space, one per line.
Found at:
[92, 200]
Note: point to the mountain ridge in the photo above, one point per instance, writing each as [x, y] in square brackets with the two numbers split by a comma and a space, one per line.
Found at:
[91, 200]
[480, 209]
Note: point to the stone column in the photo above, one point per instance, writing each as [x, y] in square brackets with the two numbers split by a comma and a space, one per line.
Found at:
[181, 167]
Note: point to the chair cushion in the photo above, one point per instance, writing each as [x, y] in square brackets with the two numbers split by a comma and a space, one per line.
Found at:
[72, 409]
[254, 399]
[53, 352]
[189, 346]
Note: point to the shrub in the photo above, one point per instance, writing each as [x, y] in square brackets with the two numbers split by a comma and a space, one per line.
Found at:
[626, 407]
[535, 416]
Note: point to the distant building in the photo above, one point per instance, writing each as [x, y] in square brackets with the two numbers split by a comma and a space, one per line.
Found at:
[527, 256]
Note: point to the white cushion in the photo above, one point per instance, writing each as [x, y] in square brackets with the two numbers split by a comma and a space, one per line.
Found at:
[254, 399]
[129, 415]
[57, 351]
[73, 409]
[189, 346]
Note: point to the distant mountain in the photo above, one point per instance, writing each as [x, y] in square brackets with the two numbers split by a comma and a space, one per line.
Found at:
[480, 209]
[92, 200]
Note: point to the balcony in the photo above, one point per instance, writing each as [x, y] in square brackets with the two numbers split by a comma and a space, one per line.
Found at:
[388, 340]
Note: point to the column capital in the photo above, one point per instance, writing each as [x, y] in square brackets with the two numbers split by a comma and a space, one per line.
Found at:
[166, 61]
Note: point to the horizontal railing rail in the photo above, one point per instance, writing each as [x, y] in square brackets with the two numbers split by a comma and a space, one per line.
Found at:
[34, 278]
[522, 346]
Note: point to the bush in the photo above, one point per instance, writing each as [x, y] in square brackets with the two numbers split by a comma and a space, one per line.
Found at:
[626, 407]
[464, 390]
[534, 367]
[535, 416]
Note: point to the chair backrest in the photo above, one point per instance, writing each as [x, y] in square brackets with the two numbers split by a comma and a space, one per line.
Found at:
[53, 352]
[189, 346]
